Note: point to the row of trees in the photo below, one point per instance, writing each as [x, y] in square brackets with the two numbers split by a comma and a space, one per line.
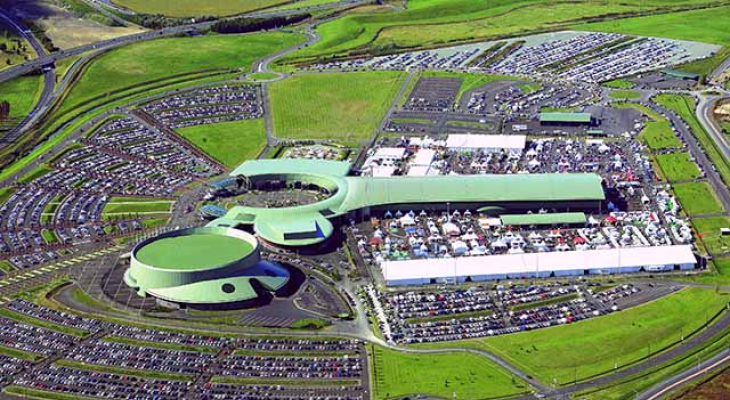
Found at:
[244, 25]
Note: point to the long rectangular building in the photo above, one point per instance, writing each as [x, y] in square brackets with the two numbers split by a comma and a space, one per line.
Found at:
[541, 265]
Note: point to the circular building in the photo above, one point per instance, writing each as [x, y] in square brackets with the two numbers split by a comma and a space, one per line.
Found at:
[208, 268]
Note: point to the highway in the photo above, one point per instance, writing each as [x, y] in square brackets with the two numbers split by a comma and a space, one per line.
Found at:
[48, 59]
[657, 392]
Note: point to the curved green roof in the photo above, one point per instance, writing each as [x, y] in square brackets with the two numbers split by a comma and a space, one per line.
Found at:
[218, 291]
[200, 251]
[308, 224]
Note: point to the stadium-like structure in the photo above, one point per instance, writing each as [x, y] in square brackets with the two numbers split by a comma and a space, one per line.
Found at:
[204, 268]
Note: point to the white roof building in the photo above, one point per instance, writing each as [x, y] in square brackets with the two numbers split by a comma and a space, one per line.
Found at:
[515, 266]
[462, 142]
[424, 157]
[390, 153]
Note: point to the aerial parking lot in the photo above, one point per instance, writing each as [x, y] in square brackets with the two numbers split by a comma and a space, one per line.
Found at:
[359, 200]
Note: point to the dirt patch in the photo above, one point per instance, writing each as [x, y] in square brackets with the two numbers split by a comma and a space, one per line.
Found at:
[64, 28]
[722, 110]
[716, 388]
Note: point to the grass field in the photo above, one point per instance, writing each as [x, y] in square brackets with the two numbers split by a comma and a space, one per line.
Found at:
[619, 84]
[22, 93]
[156, 59]
[438, 22]
[231, 143]
[16, 51]
[624, 94]
[697, 198]
[678, 166]
[192, 8]
[709, 231]
[132, 205]
[591, 347]
[468, 376]
[684, 106]
[346, 105]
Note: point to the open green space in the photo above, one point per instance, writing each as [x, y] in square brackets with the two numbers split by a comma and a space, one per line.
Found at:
[22, 93]
[528, 88]
[305, 3]
[376, 30]
[594, 346]
[618, 84]
[468, 375]
[5, 266]
[697, 198]
[5, 194]
[191, 252]
[141, 62]
[193, 8]
[683, 105]
[159, 345]
[35, 173]
[708, 230]
[678, 166]
[28, 393]
[625, 389]
[343, 105]
[624, 94]
[231, 143]
[137, 206]
[19, 354]
[13, 49]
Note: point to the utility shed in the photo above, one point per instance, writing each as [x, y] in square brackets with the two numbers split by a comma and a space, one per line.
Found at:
[568, 218]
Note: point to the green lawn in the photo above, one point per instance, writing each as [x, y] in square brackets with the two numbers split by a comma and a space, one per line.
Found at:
[697, 198]
[231, 143]
[17, 50]
[22, 94]
[192, 8]
[528, 88]
[684, 106]
[345, 105]
[121, 205]
[147, 61]
[624, 94]
[619, 84]
[468, 376]
[678, 166]
[593, 347]
[709, 231]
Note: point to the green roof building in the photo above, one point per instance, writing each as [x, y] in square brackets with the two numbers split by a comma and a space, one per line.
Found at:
[355, 197]
[203, 268]
[566, 118]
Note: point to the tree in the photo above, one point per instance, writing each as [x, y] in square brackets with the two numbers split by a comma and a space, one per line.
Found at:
[4, 109]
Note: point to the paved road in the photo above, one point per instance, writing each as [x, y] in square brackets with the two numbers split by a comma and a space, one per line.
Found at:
[29, 66]
[712, 364]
